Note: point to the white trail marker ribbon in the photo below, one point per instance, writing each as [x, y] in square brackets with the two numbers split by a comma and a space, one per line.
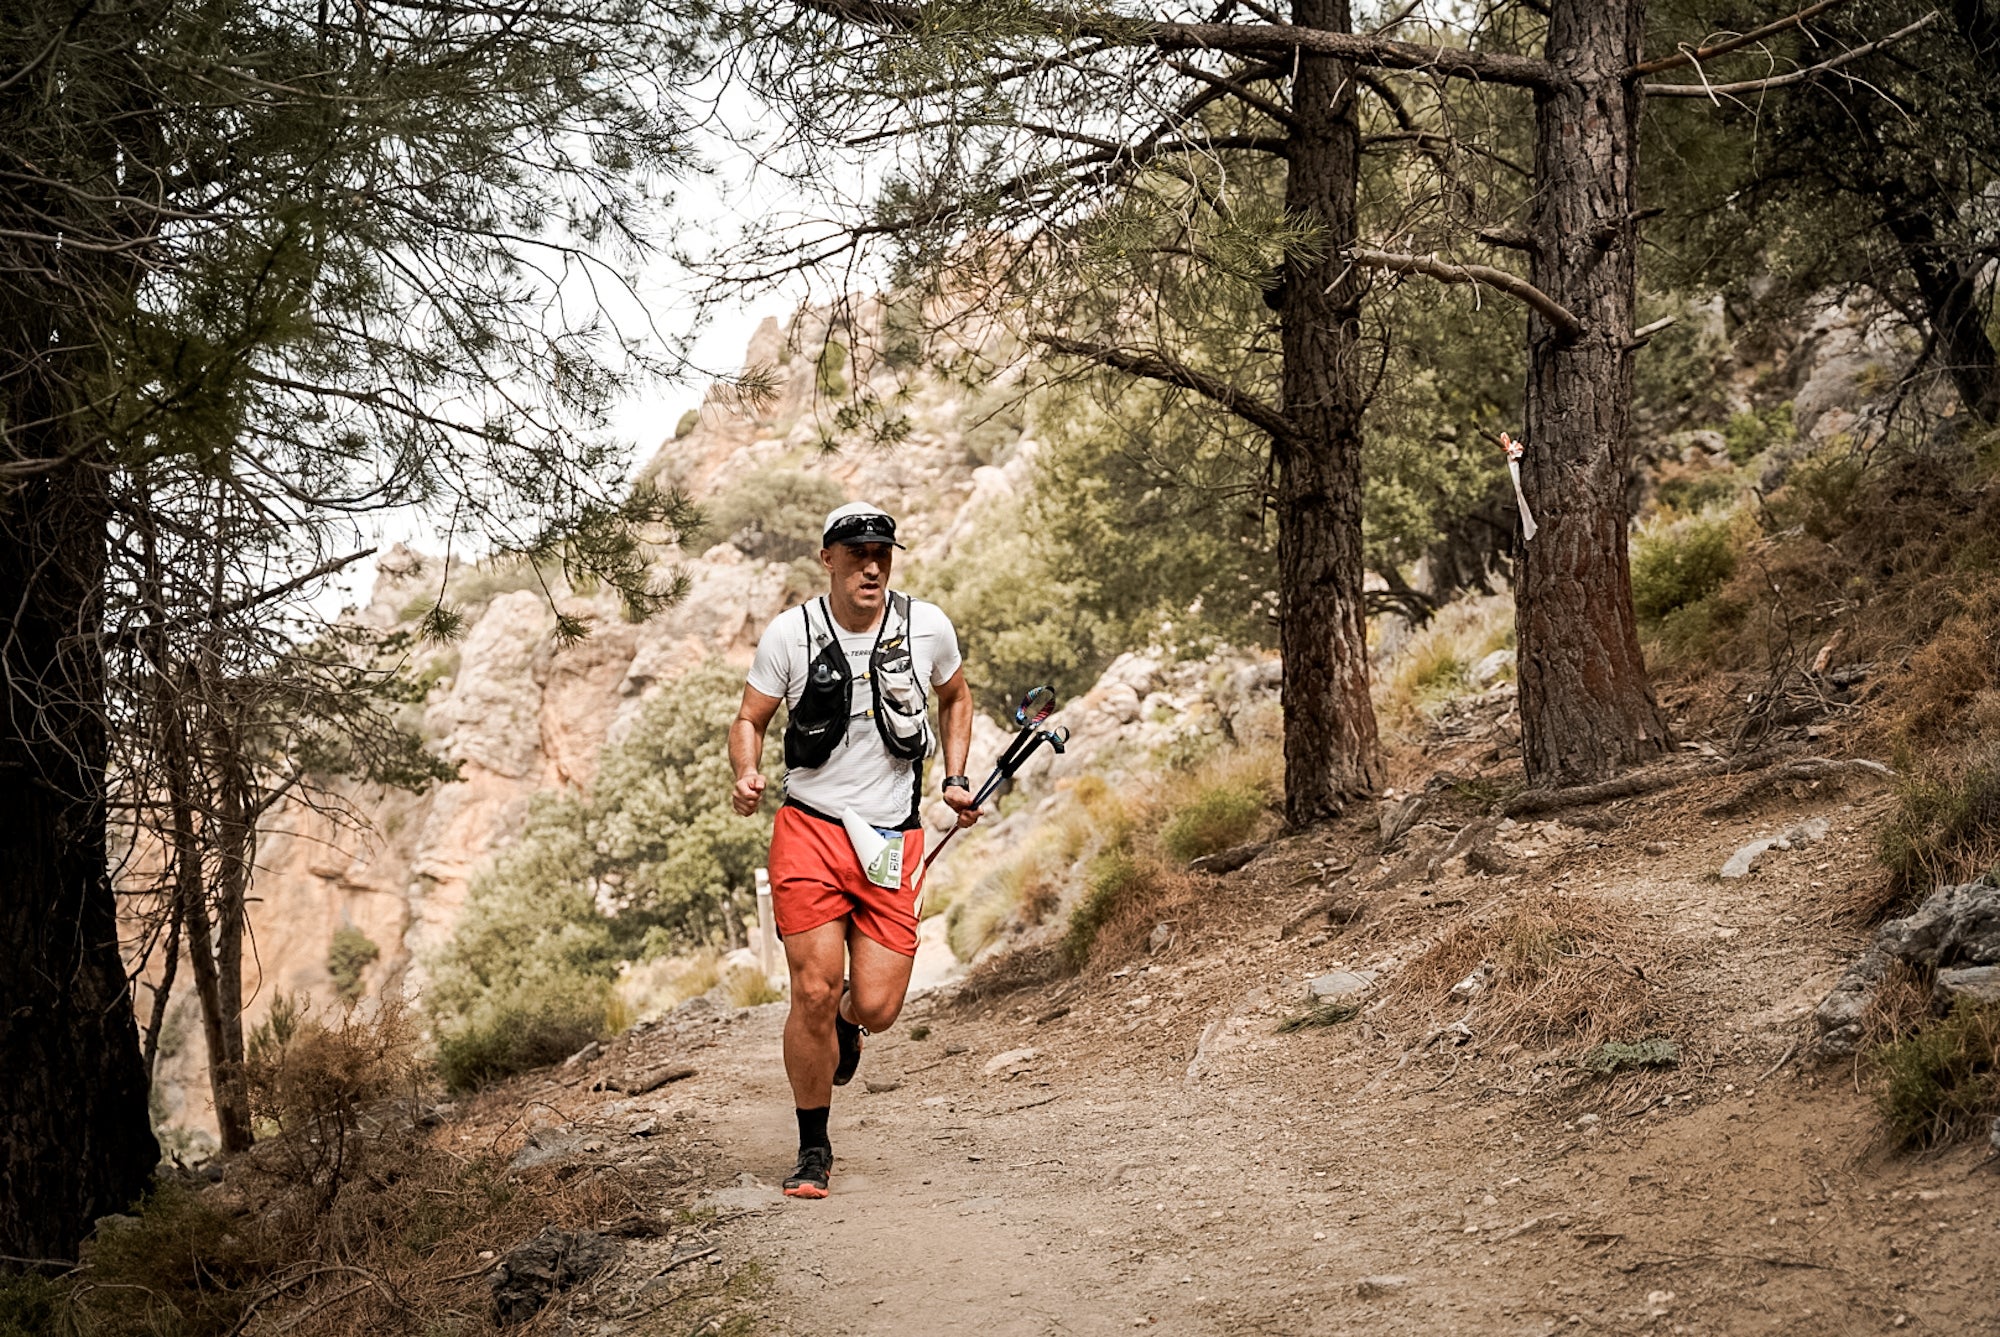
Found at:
[1514, 449]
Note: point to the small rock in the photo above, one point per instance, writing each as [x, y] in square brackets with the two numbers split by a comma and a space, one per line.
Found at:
[650, 1080]
[1993, 1135]
[1656, 848]
[1657, 1301]
[1398, 815]
[880, 1088]
[1369, 1288]
[1337, 984]
[593, 1144]
[646, 1127]
[553, 1261]
[584, 1055]
[1475, 983]
[1969, 984]
[1161, 938]
[1488, 670]
[1740, 863]
[1013, 1060]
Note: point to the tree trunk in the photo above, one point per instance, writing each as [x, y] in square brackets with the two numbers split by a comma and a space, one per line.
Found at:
[75, 1139]
[1586, 705]
[1949, 286]
[1331, 750]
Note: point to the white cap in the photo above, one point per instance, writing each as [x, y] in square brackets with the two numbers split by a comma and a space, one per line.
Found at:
[858, 522]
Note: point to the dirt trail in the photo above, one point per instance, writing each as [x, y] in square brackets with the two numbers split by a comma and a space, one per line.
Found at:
[1338, 1181]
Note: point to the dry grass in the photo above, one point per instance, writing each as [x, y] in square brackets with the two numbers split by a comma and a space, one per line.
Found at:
[381, 1233]
[1563, 969]
[1433, 665]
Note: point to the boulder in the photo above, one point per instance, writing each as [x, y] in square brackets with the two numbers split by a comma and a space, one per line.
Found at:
[1955, 929]
[553, 1261]
[1336, 985]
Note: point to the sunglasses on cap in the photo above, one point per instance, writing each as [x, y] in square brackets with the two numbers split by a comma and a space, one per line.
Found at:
[863, 529]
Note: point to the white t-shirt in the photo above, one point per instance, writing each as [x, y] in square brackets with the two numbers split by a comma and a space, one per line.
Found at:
[860, 774]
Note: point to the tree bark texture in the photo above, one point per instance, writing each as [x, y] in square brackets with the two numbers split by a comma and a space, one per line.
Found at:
[75, 1138]
[1332, 753]
[1587, 707]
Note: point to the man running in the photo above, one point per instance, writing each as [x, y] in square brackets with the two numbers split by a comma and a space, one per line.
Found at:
[854, 667]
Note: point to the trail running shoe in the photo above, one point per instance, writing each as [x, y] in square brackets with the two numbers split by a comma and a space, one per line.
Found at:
[849, 1035]
[815, 1168]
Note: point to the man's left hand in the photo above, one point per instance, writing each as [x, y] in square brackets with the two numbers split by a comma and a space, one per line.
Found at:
[961, 803]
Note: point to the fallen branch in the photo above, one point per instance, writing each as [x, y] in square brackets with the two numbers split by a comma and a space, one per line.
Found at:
[1530, 802]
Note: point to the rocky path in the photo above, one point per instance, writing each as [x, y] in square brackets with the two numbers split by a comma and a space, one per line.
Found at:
[1084, 1195]
[1346, 1180]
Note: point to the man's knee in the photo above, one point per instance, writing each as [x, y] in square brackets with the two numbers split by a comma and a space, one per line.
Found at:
[814, 995]
[878, 1014]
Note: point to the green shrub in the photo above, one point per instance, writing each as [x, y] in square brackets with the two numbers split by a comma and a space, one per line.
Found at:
[1946, 827]
[531, 1028]
[1220, 817]
[1750, 434]
[1943, 1083]
[350, 953]
[1115, 879]
[688, 422]
[1677, 565]
[177, 1267]
[32, 1306]
[774, 515]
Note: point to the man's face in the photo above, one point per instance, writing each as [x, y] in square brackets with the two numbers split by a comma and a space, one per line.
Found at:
[860, 571]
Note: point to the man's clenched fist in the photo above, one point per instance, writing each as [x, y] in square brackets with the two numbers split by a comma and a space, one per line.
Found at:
[748, 793]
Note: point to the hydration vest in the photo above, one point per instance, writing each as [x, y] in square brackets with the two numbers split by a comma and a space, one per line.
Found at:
[818, 721]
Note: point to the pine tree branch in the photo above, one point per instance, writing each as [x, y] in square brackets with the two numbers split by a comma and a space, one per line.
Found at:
[1714, 92]
[1235, 88]
[1244, 38]
[1158, 367]
[1445, 271]
[1685, 56]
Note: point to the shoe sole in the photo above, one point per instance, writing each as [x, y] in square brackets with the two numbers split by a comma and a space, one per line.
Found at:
[806, 1191]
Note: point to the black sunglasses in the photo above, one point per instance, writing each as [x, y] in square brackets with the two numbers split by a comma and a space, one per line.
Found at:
[863, 529]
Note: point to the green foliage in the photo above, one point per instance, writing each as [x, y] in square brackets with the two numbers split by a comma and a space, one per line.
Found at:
[1680, 563]
[1942, 1083]
[687, 423]
[350, 952]
[1319, 1015]
[654, 860]
[178, 1266]
[774, 515]
[1946, 825]
[1615, 1056]
[1751, 433]
[1114, 880]
[1218, 818]
[32, 1306]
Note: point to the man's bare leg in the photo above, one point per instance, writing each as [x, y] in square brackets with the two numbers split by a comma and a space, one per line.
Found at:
[880, 979]
[817, 958]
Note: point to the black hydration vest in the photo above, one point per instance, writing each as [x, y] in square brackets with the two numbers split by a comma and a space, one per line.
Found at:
[818, 721]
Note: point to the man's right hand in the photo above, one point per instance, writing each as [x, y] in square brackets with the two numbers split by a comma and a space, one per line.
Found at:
[748, 793]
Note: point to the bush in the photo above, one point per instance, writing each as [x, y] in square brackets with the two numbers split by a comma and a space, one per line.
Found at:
[1751, 433]
[1678, 564]
[1945, 829]
[1115, 879]
[1219, 818]
[350, 953]
[530, 1029]
[1943, 1083]
[774, 515]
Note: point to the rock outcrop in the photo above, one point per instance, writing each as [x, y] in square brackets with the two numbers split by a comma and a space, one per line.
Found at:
[1954, 933]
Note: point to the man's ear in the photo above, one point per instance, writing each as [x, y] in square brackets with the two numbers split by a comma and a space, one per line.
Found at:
[826, 558]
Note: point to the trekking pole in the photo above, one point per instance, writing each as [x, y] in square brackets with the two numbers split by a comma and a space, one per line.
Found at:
[1034, 710]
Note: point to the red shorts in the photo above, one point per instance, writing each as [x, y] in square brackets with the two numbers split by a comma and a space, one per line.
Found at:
[816, 878]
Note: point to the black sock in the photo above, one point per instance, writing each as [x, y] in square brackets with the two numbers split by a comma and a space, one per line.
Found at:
[812, 1128]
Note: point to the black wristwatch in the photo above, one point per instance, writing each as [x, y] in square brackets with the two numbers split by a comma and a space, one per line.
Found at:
[961, 781]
